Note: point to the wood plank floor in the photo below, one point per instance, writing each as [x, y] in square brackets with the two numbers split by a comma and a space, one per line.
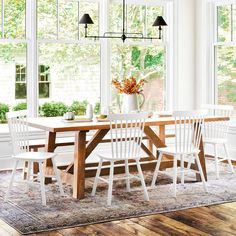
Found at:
[218, 220]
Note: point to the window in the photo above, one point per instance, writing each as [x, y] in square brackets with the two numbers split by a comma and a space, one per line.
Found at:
[225, 55]
[44, 81]
[140, 59]
[20, 91]
[74, 67]
[13, 52]
[46, 48]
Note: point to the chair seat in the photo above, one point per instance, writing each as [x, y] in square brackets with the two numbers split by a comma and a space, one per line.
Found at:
[34, 156]
[172, 151]
[215, 140]
[110, 158]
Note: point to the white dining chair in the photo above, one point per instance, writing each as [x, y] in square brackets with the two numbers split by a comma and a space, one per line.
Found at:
[126, 137]
[215, 134]
[18, 127]
[186, 146]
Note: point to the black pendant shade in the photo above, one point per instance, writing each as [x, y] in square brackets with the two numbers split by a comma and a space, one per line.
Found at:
[159, 21]
[123, 35]
[86, 19]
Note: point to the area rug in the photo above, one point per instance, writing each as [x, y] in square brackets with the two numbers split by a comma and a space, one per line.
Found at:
[25, 213]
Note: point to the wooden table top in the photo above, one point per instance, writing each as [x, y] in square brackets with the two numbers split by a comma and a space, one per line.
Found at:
[56, 124]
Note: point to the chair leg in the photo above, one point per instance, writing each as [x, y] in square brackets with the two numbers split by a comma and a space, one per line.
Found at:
[58, 177]
[29, 175]
[42, 186]
[216, 161]
[127, 175]
[228, 158]
[190, 162]
[96, 177]
[140, 173]
[24, 174]
[201, 172]
[175, 175]
[154, 179]
[110, 184]
[11, 180]
[182, 169]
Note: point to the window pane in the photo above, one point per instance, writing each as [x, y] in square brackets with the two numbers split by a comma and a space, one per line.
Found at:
[20, 91]
[44, 73]
[226, 75]
[152, 13]
[92, 10]
[140, 19]
[68, 19]
[224, 23]
[44, 90]
[135, 19]
[234, 23]
[47, 19]
[14, 18]
[141, 62]
[10, 56]
[74, 72]
[115, 17]
[0, 19]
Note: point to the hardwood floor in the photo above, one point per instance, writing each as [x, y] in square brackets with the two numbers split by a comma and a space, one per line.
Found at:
[217, 220]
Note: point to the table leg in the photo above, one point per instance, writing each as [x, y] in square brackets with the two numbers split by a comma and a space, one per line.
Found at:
[50, 147]
[202, 161]
[79, 164]
[162, 133]
[157, 142]
[201, 155]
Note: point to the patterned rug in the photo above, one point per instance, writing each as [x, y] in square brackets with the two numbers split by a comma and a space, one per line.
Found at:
[25, 213]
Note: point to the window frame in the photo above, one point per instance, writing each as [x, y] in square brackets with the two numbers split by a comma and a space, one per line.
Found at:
[32, 43]
[212, 96]
[213, 39]
[168, 43]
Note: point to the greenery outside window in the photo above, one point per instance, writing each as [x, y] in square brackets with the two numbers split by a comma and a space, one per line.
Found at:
[138, 58]
[225, 55]
[72, 69]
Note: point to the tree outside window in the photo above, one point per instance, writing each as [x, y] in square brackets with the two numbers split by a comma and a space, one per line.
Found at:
[225, 50]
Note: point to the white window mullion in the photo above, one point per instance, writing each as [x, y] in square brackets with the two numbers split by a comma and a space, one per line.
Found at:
[32, 68]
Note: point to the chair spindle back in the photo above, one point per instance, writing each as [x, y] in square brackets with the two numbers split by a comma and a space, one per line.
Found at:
[126, 134]
[188, 130]
[217, 129]
[18, 127]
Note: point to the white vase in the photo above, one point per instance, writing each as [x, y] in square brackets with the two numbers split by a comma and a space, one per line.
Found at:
[130, 103]
[89, 111]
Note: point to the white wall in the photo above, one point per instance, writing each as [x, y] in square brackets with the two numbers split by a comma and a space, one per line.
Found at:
[185, 54]
[201, 51]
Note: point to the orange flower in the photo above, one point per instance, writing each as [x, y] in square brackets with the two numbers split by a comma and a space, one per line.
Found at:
[129, 85]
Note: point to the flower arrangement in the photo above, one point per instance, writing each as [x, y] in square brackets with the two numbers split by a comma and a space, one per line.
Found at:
[129, 85]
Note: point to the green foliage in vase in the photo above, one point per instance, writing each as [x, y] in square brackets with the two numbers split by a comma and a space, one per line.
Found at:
[97, 108]
[79, 108]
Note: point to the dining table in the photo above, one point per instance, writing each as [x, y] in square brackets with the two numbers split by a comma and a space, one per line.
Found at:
[79, 170]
